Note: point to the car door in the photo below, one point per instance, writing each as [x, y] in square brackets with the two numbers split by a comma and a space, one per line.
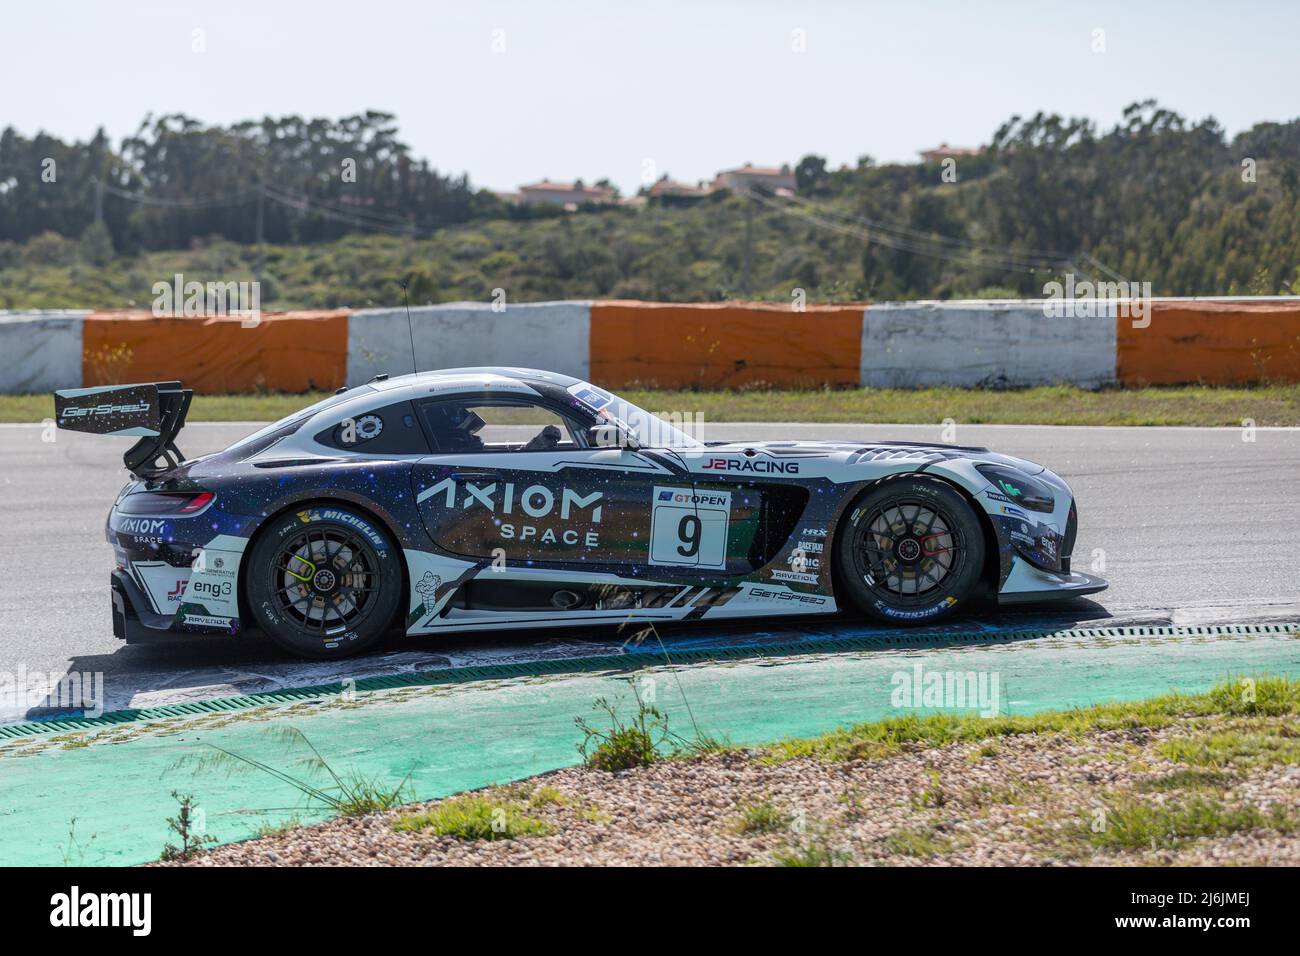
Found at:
[760, 512]
[498, 488]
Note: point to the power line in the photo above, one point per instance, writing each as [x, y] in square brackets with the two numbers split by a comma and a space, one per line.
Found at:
[377, 221]
[1038, 256]
[902, 245]
[233, 199]
[284, 197]
[953, 249]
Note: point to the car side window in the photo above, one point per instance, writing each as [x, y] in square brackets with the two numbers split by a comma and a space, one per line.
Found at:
[392, 430]
[475, 425]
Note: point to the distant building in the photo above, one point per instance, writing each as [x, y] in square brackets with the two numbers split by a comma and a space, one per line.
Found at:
[667, 188]
[771, 178]
[944, 151]
[572, 194]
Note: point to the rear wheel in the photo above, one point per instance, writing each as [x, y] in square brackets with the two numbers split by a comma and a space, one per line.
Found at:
[323, 582]
[910, 550]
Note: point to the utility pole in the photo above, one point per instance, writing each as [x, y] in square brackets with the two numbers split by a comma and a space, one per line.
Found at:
[99, 200]
[261, 202]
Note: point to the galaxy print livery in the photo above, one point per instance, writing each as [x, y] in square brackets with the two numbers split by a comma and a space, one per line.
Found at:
[481, 498]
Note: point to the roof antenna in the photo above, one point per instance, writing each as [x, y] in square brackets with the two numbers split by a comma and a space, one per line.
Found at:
[415, 369]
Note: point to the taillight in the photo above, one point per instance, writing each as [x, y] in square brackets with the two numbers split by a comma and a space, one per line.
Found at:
[199, 501]
[182, 504]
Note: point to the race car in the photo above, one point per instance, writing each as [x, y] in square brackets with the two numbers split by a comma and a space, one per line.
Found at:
[482, 498]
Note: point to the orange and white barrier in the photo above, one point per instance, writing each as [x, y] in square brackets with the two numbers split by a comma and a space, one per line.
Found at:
[666, 345]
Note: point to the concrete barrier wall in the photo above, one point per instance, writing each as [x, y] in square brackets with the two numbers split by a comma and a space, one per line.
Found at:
[715, 345]
[40, 351]
[547, 335]
[921, 344]
[281, 351]
[1221, 342]
[724, 345]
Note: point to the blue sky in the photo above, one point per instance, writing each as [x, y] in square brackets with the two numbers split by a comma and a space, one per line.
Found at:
[597, 89]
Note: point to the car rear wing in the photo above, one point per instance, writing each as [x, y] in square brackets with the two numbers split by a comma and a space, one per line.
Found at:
[153, 411]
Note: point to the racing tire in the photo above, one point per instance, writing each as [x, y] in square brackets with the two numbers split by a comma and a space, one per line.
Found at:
[324, 582]
[909, 550]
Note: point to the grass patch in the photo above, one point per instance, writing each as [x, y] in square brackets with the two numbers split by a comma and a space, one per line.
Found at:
[990, 748]
[1011, 794]
[1050, 405]
[474, 817]
[815, 851]
[1188, 778]
[271, 830]
[640, 741]
[762, 816]
[932, 795]
[344, 794]
[1234, 748]
[546, 796]
[1260, 697]
[916, 841]
[1132, 825]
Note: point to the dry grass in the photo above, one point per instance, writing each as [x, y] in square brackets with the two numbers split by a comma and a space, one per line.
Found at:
[1054, 405]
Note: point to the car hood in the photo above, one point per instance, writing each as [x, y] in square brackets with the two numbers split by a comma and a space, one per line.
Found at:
[874, 451]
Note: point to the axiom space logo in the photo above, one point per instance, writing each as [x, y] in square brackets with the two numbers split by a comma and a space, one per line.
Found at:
[757, 465]
[538, 502]
[142, 526]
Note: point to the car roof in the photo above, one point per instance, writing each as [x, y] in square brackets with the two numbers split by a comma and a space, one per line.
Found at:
[379, 393]
[471, 378]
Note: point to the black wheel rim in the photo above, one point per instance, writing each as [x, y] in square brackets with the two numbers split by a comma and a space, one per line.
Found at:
[906, 550]
[325, 580]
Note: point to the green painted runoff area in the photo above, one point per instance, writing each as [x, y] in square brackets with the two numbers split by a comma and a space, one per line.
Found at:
[101, 794]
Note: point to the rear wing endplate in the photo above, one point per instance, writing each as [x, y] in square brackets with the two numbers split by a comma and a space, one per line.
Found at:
[153, 411]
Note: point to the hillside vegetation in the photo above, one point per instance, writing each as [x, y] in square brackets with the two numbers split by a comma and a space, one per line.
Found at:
[1157, 199]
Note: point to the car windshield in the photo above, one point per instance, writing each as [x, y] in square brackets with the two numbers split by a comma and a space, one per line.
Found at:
[651, 431]
[290, 423]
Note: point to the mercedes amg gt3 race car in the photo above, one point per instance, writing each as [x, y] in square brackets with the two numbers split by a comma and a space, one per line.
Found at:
[481, 498]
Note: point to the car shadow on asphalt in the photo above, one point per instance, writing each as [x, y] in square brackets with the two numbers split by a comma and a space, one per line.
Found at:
[200, 667]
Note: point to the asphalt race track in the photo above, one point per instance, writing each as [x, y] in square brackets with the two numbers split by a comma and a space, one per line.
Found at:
[1195, 526]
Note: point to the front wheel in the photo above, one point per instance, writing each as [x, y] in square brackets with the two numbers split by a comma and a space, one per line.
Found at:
[323, 582]
[909, 551]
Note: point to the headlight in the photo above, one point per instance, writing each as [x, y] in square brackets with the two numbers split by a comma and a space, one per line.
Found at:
[1025, 491]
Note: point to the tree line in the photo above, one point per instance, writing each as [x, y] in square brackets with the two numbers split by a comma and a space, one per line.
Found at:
[1156, 198]
[176, 180]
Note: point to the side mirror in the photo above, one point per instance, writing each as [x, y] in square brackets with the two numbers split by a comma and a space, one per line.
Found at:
[611, 436]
